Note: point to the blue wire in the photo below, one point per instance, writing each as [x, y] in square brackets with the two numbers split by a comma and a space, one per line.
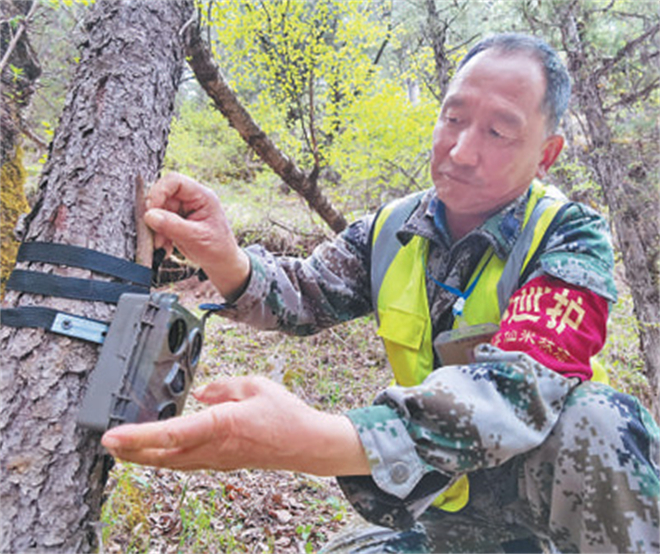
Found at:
[462, 296]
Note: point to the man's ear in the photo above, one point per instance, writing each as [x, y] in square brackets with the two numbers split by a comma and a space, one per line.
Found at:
[551, 149]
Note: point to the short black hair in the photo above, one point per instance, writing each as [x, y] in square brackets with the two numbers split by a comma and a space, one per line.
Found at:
[558, 81]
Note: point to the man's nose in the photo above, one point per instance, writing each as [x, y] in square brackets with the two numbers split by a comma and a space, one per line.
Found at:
[466, 148]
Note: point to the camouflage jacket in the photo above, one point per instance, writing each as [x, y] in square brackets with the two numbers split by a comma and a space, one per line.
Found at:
[408, 449]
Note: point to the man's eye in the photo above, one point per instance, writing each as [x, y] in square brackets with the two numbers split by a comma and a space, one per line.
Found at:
[496, 134]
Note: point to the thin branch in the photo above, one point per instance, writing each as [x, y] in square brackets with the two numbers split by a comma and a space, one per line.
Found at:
[642, 16]
[463, 43]
[623, 52]
[41, 143]
[388, 36]
[294, 231]
[632, 97]
[22, 25]
[604, 9]
[312, 127]
[225, 100]
[396, 167]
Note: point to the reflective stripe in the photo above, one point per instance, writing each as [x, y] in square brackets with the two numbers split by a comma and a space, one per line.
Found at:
[396, 215]
[508, 282]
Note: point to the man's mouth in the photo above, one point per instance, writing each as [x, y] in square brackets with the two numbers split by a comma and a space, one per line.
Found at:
[457, 177]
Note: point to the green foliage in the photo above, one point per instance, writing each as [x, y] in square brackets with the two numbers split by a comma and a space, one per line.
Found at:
[202, 144]
[57, 4]
[14, 21]
[297, 56]
[126, 510]
[13, 204]
[576, 179]
[16, 72]
[384, 145]
[306, 73]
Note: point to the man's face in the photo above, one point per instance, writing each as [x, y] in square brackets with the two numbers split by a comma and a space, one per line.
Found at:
[490, 140]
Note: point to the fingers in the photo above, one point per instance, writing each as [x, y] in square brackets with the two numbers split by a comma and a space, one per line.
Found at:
[231, 389]
[166, 223]
[172, 434]
[167, 196]
[172, 458]
[167, 228]
[182, 460]
[172, 189]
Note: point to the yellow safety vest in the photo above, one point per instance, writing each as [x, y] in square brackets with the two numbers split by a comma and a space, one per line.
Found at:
[399, 294]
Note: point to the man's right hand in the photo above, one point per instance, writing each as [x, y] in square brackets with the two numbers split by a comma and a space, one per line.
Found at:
[188, 215]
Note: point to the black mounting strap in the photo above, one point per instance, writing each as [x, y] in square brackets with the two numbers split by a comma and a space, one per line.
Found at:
[135, 279]
[77, 256]
[56, 321]
[69, 287]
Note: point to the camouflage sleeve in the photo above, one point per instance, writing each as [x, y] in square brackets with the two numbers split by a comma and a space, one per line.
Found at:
[463, 418]
[579, 251]
[302, 296]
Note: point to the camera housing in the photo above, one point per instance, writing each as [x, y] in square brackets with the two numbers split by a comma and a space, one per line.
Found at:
[146, 365]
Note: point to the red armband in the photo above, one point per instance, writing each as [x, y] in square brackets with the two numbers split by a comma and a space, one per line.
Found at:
[559, 325]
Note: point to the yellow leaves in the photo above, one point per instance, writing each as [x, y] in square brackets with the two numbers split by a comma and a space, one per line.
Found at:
[289, 46]
[385, 140]
[305, 71]
[55, 4]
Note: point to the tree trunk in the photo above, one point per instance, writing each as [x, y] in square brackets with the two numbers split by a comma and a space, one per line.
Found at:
[212, 81]
[633, 209]
[436, 28]
[112, 135]
[19, 70]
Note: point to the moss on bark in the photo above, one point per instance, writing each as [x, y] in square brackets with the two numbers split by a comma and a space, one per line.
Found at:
[13, 204]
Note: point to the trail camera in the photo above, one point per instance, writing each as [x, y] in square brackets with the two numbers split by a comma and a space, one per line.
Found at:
[146, 365]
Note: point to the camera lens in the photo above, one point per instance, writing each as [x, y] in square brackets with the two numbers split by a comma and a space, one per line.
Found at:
[176, 379]
[167, 411]
[176, 335]
[195, 348]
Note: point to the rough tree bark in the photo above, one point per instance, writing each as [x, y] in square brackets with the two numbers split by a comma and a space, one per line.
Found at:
[633, 208]
[212, 81]
[439, 20]
[436, 30]
[19, 70]
[112, 134]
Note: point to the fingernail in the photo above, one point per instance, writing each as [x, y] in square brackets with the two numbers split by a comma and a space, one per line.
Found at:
[199, 391]
[111, 443]
[155, 217]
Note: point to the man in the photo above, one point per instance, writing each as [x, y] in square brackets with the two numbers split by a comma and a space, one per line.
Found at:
[518, 446]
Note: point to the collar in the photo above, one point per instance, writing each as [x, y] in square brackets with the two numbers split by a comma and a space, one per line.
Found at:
[501, 230]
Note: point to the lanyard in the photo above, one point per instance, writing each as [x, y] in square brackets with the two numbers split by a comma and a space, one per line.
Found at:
[459, 304]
